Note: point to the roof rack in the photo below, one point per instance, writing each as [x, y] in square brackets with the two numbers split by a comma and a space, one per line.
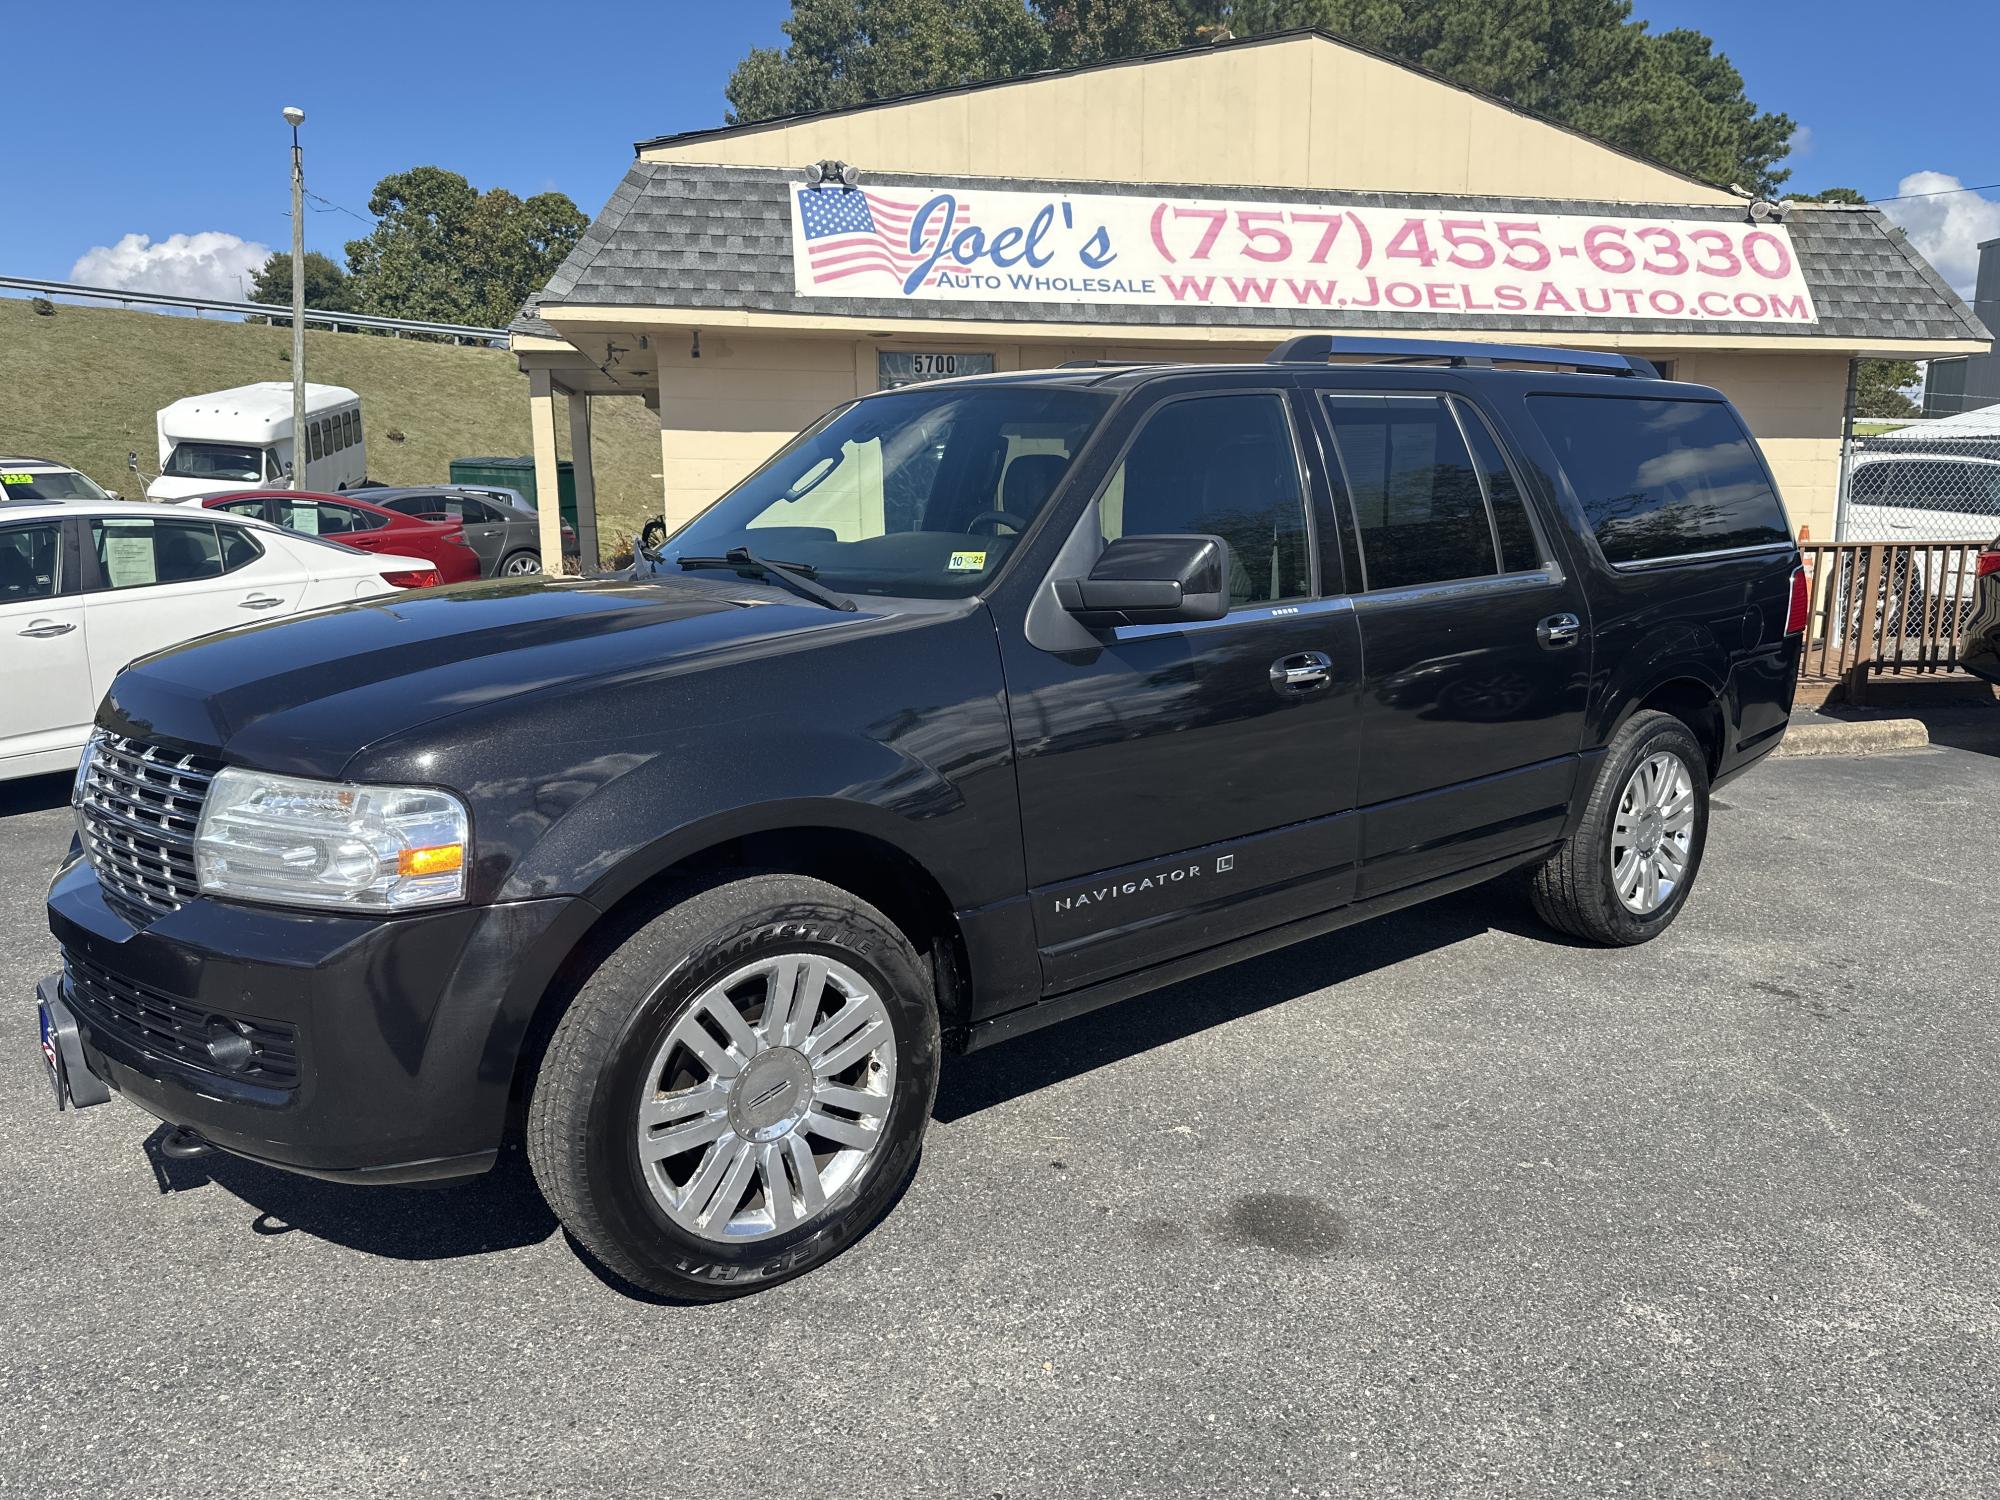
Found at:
[1107, 364]
[1318, 348]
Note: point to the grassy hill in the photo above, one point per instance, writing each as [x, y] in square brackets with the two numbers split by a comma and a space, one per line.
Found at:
[82, 387]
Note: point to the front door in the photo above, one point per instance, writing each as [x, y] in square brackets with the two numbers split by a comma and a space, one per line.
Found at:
[1185, 784]
[46, 711]
[1477, 642]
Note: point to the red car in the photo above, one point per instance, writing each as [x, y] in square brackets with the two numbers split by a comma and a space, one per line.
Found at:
[342, 518]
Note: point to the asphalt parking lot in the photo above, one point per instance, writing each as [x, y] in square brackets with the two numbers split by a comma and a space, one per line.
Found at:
[1433, 1206]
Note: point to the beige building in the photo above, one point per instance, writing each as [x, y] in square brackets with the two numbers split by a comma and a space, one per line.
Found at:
[1195, 205]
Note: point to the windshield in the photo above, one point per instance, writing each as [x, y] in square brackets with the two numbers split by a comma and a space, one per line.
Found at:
[922, 493]
[214, 461]
[63, 484]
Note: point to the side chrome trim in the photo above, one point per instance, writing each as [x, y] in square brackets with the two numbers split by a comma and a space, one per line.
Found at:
[1641, 566]
[1251, 616]
[1433, 593]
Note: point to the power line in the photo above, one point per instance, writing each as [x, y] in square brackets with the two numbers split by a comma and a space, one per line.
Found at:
[1939, 193]
[331, 206]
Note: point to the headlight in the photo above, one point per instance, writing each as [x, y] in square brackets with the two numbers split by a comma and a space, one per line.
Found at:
[83, 767]
[324, 843]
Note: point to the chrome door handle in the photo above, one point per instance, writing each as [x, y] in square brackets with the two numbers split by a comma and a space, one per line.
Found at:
[1302, 672]
[43, 629]
[260, 601]
[1558, 631]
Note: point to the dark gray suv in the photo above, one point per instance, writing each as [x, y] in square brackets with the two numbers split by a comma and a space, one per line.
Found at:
[499, 524]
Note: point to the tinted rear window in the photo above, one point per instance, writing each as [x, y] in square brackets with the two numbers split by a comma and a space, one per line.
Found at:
[1661, 478]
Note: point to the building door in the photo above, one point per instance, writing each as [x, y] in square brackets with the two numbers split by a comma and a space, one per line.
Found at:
[1184, 784]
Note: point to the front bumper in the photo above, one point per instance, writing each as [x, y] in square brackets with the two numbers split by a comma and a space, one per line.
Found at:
[394, 1040]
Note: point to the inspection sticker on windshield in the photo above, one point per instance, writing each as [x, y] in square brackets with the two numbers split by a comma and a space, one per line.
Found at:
[965, 562]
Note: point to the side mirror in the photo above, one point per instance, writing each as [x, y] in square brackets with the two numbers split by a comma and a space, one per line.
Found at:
[1151, 580]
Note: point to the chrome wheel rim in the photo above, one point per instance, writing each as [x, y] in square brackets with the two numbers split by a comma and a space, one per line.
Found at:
[1652, 835]
[768, 1098]
[516, 566]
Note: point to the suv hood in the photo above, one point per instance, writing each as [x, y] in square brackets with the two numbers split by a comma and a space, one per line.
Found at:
[302, 696]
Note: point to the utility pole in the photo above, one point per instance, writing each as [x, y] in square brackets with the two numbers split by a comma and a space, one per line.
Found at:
[295, 117]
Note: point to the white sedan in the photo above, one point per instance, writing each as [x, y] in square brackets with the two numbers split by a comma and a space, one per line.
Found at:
[85, 587]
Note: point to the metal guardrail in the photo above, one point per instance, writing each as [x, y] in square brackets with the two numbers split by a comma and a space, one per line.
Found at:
[249, 309]
[1885, 609]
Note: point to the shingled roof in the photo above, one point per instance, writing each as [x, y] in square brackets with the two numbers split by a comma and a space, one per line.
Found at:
[683, 236]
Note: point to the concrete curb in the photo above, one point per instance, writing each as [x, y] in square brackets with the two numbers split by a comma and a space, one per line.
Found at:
[1852, 737]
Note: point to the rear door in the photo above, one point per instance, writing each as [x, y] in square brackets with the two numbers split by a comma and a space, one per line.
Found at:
[156, 582]
[1474, 635]
[335, 522]
[48, 705]
[485, 529]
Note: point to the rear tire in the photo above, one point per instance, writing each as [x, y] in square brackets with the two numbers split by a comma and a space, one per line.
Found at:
[1625, 874]
[519, 564]
[740, 1090]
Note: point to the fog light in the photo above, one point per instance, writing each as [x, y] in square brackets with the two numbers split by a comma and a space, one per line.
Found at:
[227, 1047]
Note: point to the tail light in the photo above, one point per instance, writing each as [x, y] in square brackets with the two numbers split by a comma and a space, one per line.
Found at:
[1988, 561]
[1800, 608]
[455, 536]
[415, 578]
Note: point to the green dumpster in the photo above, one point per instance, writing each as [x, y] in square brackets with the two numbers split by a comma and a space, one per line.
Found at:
[518, 474]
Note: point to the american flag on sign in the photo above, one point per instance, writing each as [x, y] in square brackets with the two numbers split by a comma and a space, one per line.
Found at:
[849, 231]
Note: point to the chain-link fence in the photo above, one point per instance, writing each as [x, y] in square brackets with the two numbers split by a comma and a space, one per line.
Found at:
[1907, 486]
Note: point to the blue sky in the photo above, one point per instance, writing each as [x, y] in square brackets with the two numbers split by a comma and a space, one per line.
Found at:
[162, 120]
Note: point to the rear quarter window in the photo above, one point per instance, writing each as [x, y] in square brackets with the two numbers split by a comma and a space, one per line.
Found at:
[1661, 478]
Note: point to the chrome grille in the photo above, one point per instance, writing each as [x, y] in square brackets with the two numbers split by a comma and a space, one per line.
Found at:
[155, 1020]
[136, 809]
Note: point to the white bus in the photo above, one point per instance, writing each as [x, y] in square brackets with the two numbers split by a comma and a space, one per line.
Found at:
[241, 439]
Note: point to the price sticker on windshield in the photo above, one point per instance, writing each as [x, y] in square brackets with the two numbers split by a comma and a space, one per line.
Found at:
[17, 479]
[966, 562]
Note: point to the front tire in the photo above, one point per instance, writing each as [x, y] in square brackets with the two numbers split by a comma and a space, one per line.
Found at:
[740, 1090]
[1625, 874]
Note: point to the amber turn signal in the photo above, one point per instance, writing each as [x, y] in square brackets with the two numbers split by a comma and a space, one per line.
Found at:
[440, 859]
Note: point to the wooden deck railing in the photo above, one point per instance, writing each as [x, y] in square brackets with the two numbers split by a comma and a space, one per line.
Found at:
[1885, 608]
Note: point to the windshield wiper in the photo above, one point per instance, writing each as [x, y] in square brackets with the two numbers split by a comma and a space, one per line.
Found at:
[797, 577]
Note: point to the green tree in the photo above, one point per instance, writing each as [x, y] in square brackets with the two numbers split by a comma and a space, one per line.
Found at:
[1827, 195]
[443, 250]
[1583, 63]
[1878, 388]
[327, 287]
[843, 52]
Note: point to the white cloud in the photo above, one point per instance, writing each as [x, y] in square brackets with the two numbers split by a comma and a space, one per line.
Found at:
[209, 264]
[1947, 227]
[1802, 140]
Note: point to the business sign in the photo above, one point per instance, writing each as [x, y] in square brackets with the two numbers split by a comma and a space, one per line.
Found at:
[947, 245]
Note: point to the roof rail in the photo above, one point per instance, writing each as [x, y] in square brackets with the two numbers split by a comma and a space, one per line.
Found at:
[1107, 364]
[1317, 348]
